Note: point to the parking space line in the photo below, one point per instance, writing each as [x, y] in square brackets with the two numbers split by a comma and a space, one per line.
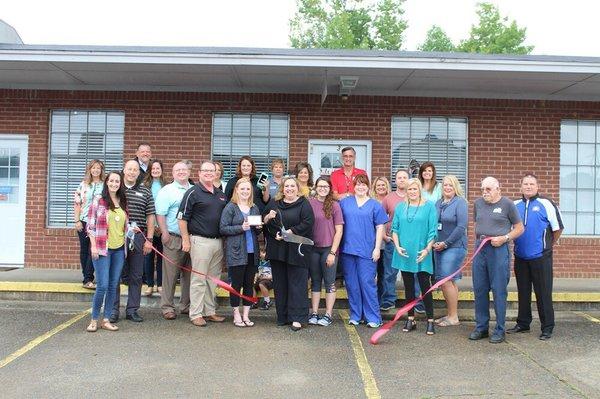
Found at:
[587, 316]
[371, 390]
[36, 341]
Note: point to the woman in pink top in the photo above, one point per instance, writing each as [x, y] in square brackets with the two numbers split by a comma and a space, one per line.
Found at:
[327, 234]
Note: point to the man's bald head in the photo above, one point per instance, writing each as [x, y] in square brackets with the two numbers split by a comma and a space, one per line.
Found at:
[490, 189]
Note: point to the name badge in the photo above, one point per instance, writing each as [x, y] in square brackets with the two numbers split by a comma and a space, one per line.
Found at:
[439, 226]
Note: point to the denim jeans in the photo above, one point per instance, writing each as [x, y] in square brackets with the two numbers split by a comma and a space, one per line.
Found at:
[491, 271]
[388, 288]
[85, 257]
[108, 272]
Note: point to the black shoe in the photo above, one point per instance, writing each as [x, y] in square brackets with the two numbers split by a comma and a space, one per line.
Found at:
[282, 323]
[114, 318]
[477, 335]
[517, 329]
[409, 325]
[430, 328]
[545, 336]
[135, 317]
[254, 305]
[496, 338]
[265, 305]
[295, 328]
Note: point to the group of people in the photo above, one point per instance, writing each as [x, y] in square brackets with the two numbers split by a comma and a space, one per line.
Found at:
[368, 230]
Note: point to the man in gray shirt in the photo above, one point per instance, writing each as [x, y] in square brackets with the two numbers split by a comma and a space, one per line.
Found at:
[495, 217]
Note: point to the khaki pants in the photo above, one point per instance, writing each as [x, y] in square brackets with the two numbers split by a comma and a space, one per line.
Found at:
[172, 250]
[207, 255]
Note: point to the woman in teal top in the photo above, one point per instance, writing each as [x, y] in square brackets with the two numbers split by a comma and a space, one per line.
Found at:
[155, 180]
[414, 231]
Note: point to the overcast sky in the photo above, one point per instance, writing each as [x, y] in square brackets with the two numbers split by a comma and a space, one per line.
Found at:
[553, 27]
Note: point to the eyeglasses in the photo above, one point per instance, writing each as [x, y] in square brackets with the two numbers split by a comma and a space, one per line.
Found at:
[207, 170]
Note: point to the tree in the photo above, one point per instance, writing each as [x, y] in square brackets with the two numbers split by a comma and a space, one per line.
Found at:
[348, 24]
[437, 40]
[494, 34]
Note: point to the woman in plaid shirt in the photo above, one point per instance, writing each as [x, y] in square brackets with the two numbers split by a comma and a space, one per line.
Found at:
[107, 224]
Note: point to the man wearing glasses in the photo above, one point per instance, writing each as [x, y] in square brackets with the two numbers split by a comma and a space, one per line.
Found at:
[497, 218]
[199, 217]
[342, 178]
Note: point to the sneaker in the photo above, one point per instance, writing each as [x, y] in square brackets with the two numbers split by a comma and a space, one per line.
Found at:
[386, 306]
[265, 305]
[254, 305]
[325, 321]
[373, 324]
[353, 322]
[313, 319]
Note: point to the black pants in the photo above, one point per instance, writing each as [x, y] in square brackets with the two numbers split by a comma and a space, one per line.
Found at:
[242, 277]
[536, 272]
[290, 283]
[134, 268]
[409, 290]
[85, 257]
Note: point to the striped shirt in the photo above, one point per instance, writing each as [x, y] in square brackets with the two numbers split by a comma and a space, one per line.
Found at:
[140, 204]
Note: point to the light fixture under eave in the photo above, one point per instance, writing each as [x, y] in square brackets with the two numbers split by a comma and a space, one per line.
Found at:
[347, 84]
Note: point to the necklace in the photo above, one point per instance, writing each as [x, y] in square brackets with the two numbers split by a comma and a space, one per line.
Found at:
[410, 219]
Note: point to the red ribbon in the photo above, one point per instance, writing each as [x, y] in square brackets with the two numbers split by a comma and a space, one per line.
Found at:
[404, 309]
[215, 280]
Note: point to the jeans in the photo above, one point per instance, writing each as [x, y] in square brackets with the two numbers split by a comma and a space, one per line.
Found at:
[85, 256]
[491, 271]
[390, 274]
[108, 272]
[133, 267]
[149, 264]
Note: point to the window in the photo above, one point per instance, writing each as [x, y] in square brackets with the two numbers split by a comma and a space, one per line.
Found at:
[580, 176]
[442, 141]
[262, 136]
[77, 137]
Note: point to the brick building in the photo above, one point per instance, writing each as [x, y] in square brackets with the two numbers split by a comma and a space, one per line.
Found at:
[473, 115]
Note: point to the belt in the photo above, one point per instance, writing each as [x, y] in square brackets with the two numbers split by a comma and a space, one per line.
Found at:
[482, 237]
[173, 234]
[211, 238]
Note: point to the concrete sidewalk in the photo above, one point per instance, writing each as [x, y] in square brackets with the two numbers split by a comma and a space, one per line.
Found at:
[65, 285]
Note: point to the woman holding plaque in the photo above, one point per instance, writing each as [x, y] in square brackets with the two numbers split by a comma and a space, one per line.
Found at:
[241, 247]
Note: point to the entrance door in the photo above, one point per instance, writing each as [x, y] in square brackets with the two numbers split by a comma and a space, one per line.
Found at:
[325, 155]
[13, 184]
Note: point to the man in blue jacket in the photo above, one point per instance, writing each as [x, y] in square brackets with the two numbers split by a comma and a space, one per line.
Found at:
[533, 256]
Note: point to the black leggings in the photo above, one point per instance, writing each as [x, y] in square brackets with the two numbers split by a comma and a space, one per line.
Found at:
[409, 290]
[242, 277]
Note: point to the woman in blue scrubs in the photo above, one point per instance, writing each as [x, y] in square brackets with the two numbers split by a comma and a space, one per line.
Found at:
[360, 250]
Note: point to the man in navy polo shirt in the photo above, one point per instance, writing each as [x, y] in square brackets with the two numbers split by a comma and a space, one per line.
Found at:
[533, 256]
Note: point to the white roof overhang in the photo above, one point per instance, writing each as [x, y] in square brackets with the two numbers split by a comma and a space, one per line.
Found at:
[380, 73]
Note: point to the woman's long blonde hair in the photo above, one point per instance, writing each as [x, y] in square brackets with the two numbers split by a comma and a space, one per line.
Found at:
[236, 199]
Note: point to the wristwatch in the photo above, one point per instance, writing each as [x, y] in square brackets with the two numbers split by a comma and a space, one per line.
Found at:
[331, 253]
[507, 238]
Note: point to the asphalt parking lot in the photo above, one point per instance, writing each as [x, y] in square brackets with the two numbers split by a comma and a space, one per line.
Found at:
[175, 359]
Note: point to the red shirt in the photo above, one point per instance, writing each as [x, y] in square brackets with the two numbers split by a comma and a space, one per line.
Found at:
[342, 183]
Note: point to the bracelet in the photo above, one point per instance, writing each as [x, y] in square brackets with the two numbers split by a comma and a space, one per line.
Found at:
[331, 253]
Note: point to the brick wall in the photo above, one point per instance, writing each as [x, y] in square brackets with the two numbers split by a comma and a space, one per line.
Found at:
[506, 138]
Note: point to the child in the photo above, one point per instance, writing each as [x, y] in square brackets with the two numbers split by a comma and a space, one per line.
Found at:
[264, 281]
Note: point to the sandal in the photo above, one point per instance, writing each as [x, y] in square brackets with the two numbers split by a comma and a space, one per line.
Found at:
[239, 324]
[148, 291]
[409, 325]
[93, 326]
[89, 285]
[107, 325]
[248, 323]
[237, 321]
[441, 319]
[447, 323]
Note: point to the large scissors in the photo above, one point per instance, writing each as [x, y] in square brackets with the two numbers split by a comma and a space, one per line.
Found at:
[291, 237]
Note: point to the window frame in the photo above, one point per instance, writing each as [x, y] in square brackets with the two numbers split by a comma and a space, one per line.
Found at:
[595, 166]
[231, 136]
[69, 219]
[429, 118]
